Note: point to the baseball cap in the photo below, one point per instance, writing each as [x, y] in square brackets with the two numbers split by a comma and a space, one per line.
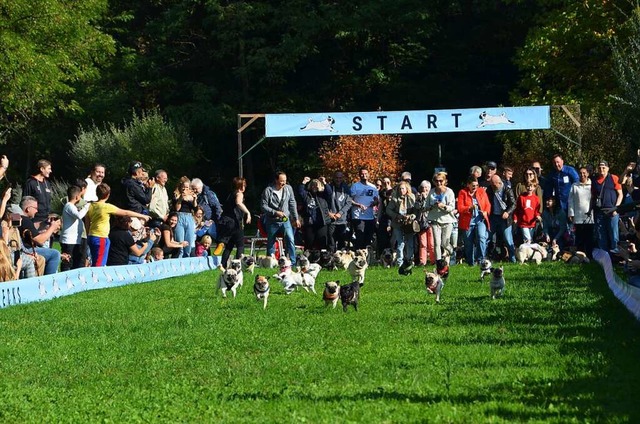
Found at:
[134, 166]
[491, 164]
[603, 163]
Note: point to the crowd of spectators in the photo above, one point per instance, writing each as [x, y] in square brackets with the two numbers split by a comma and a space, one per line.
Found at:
[151, 225]
[489, 217]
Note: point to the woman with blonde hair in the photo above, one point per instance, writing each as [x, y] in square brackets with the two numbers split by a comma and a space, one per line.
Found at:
[425, 253]
[185, 204]
[402, 209]
[441, 204]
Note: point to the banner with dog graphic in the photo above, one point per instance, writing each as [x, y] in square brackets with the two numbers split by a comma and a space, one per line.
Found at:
[408, 122]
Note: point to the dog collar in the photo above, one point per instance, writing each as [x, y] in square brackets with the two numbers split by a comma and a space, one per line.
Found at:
[329, 296]
[257, 288]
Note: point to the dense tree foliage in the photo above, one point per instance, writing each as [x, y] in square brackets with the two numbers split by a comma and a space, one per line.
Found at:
[66, 65]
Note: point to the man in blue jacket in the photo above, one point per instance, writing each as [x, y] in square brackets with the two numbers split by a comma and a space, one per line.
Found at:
[559, 182]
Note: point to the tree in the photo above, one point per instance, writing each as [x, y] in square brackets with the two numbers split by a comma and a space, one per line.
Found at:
[380, 153]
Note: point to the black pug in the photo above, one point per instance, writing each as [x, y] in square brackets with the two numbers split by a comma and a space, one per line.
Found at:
[349, 295]
[313, 255]
[406, 268]
[327, 261]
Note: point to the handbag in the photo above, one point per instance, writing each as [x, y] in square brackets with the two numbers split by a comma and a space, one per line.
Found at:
[412, 227]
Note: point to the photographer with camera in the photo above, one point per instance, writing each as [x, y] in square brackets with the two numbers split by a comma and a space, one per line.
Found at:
[34, 239]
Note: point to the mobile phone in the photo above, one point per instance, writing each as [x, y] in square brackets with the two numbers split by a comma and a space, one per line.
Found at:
[16, 220]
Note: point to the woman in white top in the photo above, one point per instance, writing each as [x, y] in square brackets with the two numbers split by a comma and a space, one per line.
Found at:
[401, 210]
[441, 204]
[579, 211]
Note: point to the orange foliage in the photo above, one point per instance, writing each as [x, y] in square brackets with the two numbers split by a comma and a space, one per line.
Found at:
[378, 152]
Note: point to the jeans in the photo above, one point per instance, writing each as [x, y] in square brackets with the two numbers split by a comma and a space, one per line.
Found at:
[607, 231]
[272, 229]
[52, 259]
[503, 231]
[403, 239]
[475, 236]
[186, 230]
[363, 229]
[140, 259]
[527, 234]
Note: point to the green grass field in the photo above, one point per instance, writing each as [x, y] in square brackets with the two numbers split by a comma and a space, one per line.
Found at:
[557, 348]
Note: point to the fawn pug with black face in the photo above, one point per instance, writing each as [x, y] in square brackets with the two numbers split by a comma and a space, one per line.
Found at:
[388, 257]
[343, 258]
[331, 293]
[357, 268]
[485, 268]
[284, 264]
[261, 289]
[497, 282]
[248, 263]
[350, 295]
[434, 284]
[236, 264]
[266, 262]
[228, 280]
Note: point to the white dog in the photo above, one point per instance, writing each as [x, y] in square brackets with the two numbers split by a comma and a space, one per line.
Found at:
[290, 280]
[531, 252]
[494, 119]
[324, 125]
[228, 280]
[311, 269]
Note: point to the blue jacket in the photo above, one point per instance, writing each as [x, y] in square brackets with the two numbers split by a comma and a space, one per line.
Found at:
[559, 185]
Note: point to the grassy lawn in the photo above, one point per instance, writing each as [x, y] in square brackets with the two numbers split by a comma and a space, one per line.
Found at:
[557, 348]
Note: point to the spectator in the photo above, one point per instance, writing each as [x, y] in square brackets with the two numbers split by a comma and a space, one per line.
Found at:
[232, 228]
[406, 177]
[4, 166]
[554, 223]
[203, 246]
[527, 213]
[96, 176]
[203, 227]
[315, 200]
[363, 220]
[6, 196]
[8, 271]
[503, 204]
[73, 229]
[441, 203]
[490, 168]
[208, 200]
[383, 240]
[39, 187]
[474, 208]
[170, 247]
[606, 193]
[401, 209]
[338, 210]
[159, 204]
[475, 171]
[34, 238]
[280, 212]
[99, 227]
[542, 181]
[580, 213]
[137, 192]
[124, 249]
[507, 175]
[530, 176]
[185, 203]
[24, 263]
[425, 253]
[559, 182]
[156, 254]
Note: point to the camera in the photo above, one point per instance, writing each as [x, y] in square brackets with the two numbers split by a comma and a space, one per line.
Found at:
[16, 220]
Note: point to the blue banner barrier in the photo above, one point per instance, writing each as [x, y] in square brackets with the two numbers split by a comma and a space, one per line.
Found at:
[83, 279]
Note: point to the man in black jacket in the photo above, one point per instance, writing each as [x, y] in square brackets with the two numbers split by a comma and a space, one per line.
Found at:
[503, 204]
[137, 193]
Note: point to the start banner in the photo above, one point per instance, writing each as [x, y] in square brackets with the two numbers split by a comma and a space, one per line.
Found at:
[408, 122]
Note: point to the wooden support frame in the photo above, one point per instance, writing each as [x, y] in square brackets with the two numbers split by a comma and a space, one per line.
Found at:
[241, 127]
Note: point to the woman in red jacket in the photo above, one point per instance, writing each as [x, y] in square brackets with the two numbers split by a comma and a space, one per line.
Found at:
[474, 208]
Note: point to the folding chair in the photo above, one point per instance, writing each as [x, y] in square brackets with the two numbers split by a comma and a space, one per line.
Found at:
[260, 239]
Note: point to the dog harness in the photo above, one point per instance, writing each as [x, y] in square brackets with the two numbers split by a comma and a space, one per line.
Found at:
[330, 296]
